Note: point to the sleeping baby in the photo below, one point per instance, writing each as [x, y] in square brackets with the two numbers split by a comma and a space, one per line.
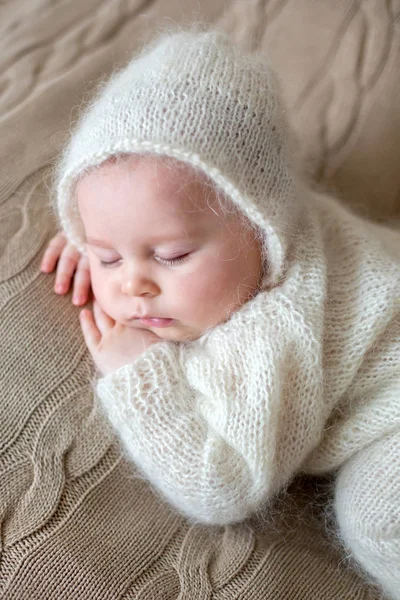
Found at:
[245, 328]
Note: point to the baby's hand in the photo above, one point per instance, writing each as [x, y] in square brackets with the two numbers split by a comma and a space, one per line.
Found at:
[70, 261]
[111, 344]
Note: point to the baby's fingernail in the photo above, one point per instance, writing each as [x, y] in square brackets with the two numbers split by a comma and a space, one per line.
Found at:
[59, 287]
[77, 299]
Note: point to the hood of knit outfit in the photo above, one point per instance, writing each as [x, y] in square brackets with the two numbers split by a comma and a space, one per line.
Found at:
[305, 374]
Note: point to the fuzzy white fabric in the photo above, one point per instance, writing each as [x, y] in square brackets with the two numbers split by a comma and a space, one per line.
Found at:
[153, 106]
[305, 377]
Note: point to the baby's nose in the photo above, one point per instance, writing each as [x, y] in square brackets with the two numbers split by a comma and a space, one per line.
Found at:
[139, 286]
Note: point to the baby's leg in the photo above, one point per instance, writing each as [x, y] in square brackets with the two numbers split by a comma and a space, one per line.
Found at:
[367, 507]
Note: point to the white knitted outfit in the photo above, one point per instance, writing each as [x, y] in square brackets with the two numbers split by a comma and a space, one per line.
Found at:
[305, 377]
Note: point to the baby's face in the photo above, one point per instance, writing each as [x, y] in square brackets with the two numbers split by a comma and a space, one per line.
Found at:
[159, 246]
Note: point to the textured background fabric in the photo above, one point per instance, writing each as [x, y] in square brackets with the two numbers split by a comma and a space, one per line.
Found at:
[75, 522]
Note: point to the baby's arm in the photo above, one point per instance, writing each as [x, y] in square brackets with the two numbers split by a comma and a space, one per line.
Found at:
[69, 261]
[215, 426]
[196, 464]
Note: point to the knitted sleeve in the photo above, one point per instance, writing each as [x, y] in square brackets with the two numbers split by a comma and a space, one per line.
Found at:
[219, 425]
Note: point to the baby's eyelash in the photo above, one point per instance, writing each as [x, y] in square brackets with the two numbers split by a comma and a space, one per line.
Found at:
[164, 261]
[173, 261]
[108, 264]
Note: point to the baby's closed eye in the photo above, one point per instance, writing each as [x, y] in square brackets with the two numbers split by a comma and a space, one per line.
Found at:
[167, 261]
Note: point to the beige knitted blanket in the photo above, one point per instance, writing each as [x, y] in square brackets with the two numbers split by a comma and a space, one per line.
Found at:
[75, 520]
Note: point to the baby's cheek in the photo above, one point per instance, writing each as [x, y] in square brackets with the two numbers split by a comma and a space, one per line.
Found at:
[98, 283]
[102, 290]
[207, 292]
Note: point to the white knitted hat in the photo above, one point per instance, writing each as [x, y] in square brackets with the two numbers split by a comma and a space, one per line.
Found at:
[194, 97]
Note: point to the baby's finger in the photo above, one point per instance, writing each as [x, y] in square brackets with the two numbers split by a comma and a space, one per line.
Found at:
[65, 269]
[89, 329]
[103, 321]
[81, 282]
[52, 253]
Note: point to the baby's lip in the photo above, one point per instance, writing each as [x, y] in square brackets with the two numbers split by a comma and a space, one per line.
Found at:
[145, 317]
[157, 321]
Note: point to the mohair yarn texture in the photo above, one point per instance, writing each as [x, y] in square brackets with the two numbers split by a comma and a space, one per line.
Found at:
[305, 377]
[153, 106]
